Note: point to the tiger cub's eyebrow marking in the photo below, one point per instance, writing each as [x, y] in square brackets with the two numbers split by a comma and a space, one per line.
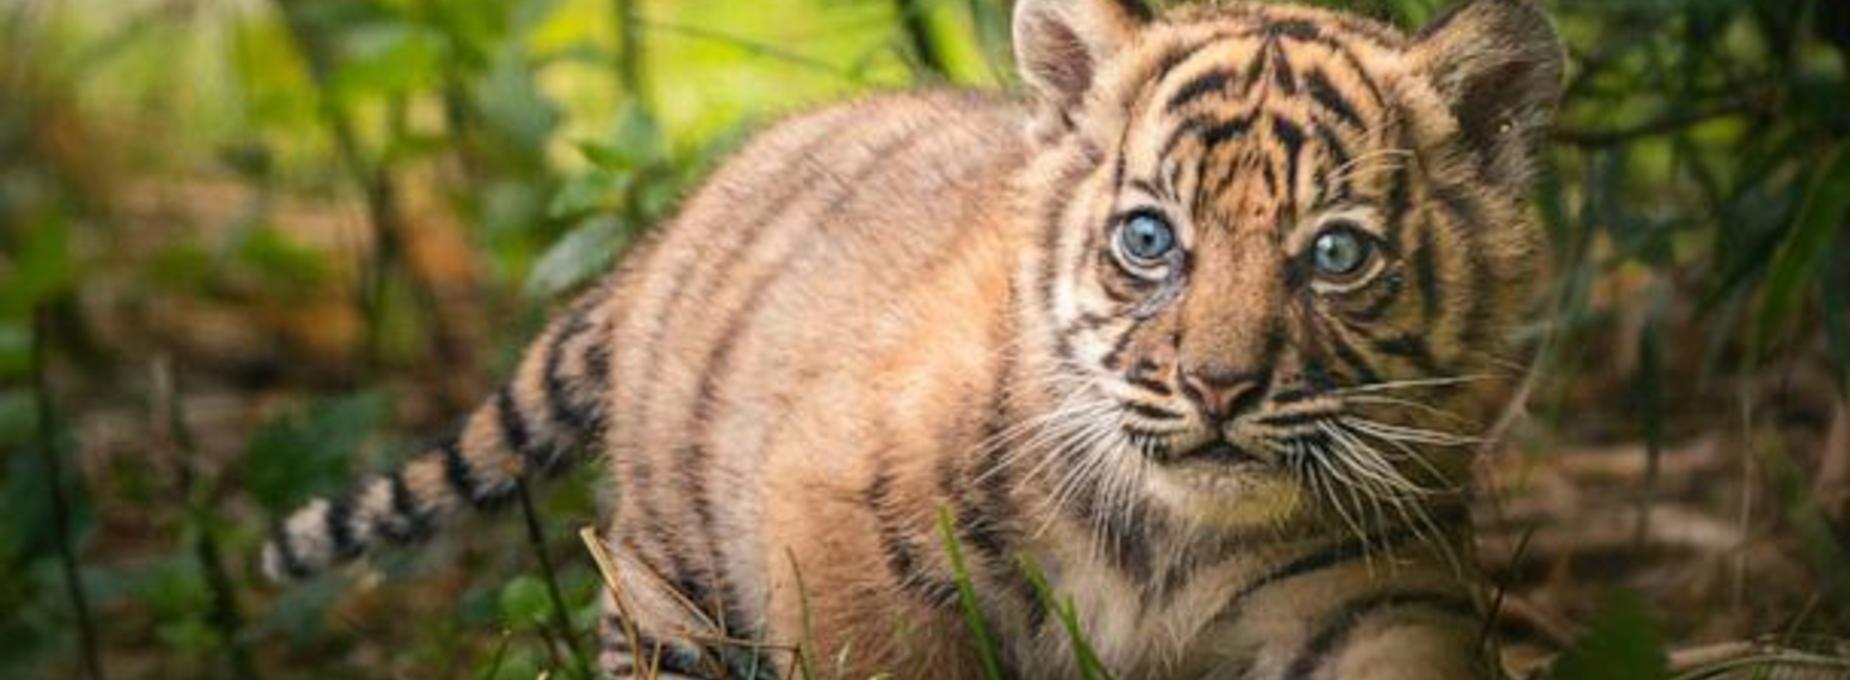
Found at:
[1321, 90]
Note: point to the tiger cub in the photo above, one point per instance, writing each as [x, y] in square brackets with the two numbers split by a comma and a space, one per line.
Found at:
[1200, 332]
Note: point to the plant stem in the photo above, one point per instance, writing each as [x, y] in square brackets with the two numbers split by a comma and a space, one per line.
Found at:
[536, 539]
[225, 615]
[60, 504]
[629, 51]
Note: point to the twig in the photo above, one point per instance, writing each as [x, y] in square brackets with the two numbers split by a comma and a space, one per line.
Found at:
[537, 540]
[754, 47]
[171, 422]
[60, 504]
[1496, 604]
[607, 568]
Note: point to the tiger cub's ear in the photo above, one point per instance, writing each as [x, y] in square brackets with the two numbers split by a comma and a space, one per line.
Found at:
[1060, 44]
[1498, 65]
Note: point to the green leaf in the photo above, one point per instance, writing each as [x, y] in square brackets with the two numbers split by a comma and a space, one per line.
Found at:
[596, 191]
[15, 348]
[41, 268]
[390, 57]
[524, 602]
[26, 526]
[18, 416]
[300, 454]
[579, 256]
[1826, 207]
[1623, 643]
[510, 100]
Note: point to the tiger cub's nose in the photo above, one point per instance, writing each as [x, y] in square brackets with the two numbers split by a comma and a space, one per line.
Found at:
[1221, 392]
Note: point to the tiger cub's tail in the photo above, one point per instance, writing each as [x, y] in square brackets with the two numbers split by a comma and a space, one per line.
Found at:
[538, 421]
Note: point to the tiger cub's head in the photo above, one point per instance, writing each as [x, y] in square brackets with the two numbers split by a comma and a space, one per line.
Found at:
[1282, 248]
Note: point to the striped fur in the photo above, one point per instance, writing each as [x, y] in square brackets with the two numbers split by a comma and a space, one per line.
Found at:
[1232, 461]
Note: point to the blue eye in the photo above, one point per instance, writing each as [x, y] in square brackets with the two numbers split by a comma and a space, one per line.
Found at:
[1341, 252]
[1145, 238]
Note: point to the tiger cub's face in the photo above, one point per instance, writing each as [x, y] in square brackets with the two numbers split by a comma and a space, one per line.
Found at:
[1284, 246]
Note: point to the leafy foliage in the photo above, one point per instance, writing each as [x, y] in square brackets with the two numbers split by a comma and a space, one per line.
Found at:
[320, 213]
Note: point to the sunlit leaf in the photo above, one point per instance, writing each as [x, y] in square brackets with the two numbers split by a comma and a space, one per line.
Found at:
[389, 57]
[583, 253]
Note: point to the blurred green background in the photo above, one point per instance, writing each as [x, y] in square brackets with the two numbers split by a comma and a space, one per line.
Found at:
[250, 247]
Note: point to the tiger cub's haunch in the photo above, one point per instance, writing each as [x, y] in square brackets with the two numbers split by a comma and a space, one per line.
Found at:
[1201, 332]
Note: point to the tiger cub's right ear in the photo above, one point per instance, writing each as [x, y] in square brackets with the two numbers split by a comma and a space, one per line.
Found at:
[1060, 44]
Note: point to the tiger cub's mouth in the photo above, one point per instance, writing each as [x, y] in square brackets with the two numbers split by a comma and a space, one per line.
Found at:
[1218, 451]
[1215, 452]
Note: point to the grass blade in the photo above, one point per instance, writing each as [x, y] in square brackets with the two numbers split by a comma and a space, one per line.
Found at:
[1085, 658]
[966, 595]
[1826, 206]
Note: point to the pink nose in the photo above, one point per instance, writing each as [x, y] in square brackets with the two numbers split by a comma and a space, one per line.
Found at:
[1221, 393]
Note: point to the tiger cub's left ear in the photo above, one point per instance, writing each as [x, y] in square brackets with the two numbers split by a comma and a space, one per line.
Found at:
[1060, 44]
[1498, 65]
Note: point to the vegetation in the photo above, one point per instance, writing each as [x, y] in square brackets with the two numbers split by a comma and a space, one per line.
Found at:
[250, 247]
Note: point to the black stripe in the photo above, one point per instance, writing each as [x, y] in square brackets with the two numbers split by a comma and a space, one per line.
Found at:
[1140, 377]
[1383, 296]
[1339, 158]
[1347, 550]
[1122, 535]
[1282, 75]
[1364, 374]
[1478, 316]
[902, 560]
[1413, 348]
[339, 519]
[1324, 93]
[1426, 268]
[514, 433]
[1151, 412]
[668, 657]
[411, 523]
[1114, 358]
[1291, 135]
[996, 503]
[1288, 420]
[1187, 129]
[461, 475]
[1208, 83]
[1255, 71]
[565, 411]
[1338, 626]
[1296, 29]
[1400, 191]
[1220, 133]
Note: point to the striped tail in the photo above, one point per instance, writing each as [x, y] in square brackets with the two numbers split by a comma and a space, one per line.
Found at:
[537, 422]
